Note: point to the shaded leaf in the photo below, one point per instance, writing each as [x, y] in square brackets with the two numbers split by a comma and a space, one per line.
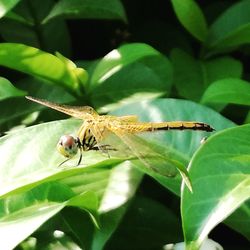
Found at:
[143, 70]
[231, 29]
[22, 214]
[142, 226]
[240, 220]
[195, 23]
[98, 9]
[14, 110]
[7, 90]
[192, 76]
[24, 25]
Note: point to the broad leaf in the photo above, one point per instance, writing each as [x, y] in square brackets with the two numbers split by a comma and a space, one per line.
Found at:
[22, 214]
[226, 91]
[36, 160]
[149, 223]
[192, 76]
[36, 163]
[240, 220]
[7, 5]
[24, 25]
[181, 145]
[36, 62]
[98, 9]
[7, 90]
[15, 110]
[231, 29]
[221, 183]
[195, 23]
[143, 70]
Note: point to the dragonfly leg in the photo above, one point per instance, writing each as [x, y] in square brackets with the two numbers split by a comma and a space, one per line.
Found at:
[80, 158]
[63, 162]
[105, 148]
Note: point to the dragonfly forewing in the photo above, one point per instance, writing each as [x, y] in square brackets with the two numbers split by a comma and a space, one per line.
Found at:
[80, 112]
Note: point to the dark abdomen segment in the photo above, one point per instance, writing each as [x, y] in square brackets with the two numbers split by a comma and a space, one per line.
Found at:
[185, 126]
[178, 125]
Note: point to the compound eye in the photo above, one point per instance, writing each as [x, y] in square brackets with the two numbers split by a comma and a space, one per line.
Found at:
[67, 146]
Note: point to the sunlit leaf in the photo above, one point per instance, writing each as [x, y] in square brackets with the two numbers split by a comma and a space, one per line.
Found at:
[185, 143]
[221, 183]
[36, 62]
[144, 71]
[226, 91]
[114, 180]
[36, 162]
[22, 214]
[7, 5]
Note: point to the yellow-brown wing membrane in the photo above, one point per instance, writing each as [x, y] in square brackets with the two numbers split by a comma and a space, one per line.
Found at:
[130, 145]
[79, 112]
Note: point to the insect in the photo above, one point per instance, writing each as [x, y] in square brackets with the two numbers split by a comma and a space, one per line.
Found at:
[96, 128]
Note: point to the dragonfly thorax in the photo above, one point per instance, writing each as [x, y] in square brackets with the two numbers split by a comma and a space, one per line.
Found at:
[68, 146]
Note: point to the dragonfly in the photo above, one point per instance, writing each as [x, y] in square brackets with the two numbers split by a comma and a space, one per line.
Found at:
[96, 128]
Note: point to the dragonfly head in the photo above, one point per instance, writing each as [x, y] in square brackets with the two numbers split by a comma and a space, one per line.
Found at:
[67, 146]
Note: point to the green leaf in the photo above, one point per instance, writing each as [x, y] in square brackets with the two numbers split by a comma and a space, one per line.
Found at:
[226, 91]
[22, 214]
[7, 90]
[191, 17]
[25, 174]
[143, 70]
[240, 220]
[7, 5]
[36, 162]
[80, 233]
[231, 29]
[36, 62]
[80, 74]
[192, 76]
[14, 110]
[24, 25]
[149, 222]
[98, 9]
[119, 191]
[220, 176]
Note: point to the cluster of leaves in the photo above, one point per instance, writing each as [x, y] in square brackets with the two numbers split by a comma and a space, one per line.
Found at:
[92, 204]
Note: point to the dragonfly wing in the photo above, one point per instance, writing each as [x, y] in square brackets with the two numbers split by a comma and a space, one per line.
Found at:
[76, 111]
[135, 146]
[128, 118]
[155, 158]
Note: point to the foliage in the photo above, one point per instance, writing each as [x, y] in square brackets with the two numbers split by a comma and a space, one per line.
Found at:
[167, 60]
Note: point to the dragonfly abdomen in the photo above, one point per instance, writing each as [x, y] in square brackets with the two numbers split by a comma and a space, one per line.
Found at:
[180, 125]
